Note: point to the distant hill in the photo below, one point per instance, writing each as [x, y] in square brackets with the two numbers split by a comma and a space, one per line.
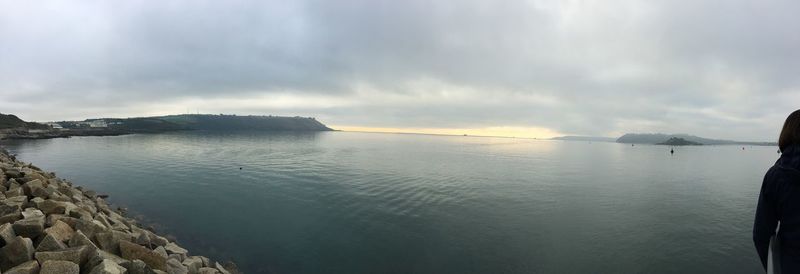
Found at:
[675, 141]
[202, 122]
[10, 121]
[585, 138]
[658, 138]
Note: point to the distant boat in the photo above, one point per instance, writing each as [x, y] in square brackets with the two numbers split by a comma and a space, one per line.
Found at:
[671, 151]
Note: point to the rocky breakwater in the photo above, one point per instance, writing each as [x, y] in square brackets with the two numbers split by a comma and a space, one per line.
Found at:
[49, 226]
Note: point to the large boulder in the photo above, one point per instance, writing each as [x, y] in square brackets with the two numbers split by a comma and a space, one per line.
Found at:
[53, 207]
[98, 256]
[137, 267]
[175, 267]
[29, 267]
[31, 186]
[6, 234]
[133, 251]
[79, 239]
[59, 267]
[32, 213]
[29, 227]
[173, 248]
[17, 251]
[108, 267]
[61, 231]
[73, 254]
[109, 241]
[208, 270]
[50, 243]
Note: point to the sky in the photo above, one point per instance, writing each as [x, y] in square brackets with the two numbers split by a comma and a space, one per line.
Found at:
[717, 68]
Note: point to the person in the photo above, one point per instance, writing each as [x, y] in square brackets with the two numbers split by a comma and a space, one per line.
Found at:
[779, 203]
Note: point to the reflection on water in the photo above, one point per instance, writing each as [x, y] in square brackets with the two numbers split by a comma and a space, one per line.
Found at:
[342, 202]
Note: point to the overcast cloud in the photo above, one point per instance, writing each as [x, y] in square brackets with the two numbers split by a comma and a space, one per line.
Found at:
[722, 68]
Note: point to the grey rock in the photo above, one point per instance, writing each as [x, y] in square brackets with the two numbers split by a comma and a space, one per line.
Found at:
[221, 269]
[76, 255]
[32, 213]
[16, 200]
[31, 186]
[208, 270]
[133, 251]
[10, 218]
[17, 251]
[6, 209]
[137, 267]
[173, 248]
[59, 267]
[193, 263]
[175, 267]
[29, 267]
[98, 256]
[109, 241]
[61, 231]
[6, 234]
[50, 243]
[79, 239]
[108, 267]
[53, 207]
[206, 261]
[30, 228]
[161, 251]
[14, 192]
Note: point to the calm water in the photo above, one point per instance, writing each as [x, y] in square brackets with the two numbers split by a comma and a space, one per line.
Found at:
[343, 202]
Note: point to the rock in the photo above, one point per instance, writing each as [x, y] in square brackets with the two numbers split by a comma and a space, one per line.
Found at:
[137, 267]
[79, 239]
[175, 267]
[8, 209]
[206, 261]
[17, 251]
[31, 186]
[14, 173]
[31, 213]
[14, 192]
[52, 207]
[143, 240]
[133, 251]
[59, 267]
[73, 254]
[98, 256]
[61, 231]
[157, 240]
[178, 257]
[20, 201]
[109, 241]
[221, 269]
[173, 248]
[29, 267]
[89, 228]
[108, 267]
[193, 263]
[10, 218]
[30, 228]
[50, 243]
[161, 251]
[6, 234]
[207, 270]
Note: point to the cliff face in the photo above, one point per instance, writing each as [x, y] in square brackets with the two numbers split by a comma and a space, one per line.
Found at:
[9, 121]
[47, 225]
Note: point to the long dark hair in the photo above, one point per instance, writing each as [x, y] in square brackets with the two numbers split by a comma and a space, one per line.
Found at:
[790, 134]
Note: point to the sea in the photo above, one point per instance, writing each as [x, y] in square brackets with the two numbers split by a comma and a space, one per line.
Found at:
[352, 202]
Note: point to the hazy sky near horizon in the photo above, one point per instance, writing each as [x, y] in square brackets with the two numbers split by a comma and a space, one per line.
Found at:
[717, 68]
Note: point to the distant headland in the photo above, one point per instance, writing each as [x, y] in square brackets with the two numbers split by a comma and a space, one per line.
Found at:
[12, 127]
[663, 139]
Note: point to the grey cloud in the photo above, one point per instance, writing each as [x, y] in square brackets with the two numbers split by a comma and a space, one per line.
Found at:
[718, 68]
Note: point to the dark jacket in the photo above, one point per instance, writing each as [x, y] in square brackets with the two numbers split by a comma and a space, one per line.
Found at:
[780, 201]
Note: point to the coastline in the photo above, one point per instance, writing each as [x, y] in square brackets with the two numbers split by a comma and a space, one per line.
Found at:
[49, 225]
